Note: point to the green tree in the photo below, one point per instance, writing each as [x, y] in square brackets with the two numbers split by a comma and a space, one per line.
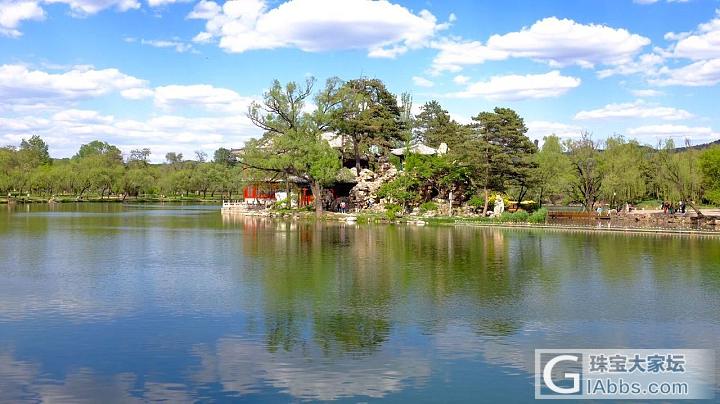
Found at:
[369, 115]
[434, 126]
[140, 156]
[33, 152]
[553, 169]
[292, 144]
[173, 158]
[587, 176]
[99, 148]
[679, 175]
[624, 166]
[502, 153]
[710, 167]
[224, 156]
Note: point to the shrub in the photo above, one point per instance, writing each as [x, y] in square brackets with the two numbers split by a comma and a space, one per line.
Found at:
[477, 202]
[345, 175]
[392, 211]
[539, 216]
[520, 216]
[428, 206]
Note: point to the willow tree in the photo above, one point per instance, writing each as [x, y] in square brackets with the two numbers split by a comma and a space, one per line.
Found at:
[679, 174]
[710, 166]
[553, 169]
[292, 144]
[587, 175]
[625, 168]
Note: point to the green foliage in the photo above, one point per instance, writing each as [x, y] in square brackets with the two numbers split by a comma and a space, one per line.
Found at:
[98, 148]
[428, 206]
[292, 144]
[33, 152]
[368, 114]
[476, 202]
[497, 152]
[224, 156]
[345, 175]
[625, 169]
[679, 175]
[519, 216]
[539, 216]
[587, 174]
[434, 126]
[393, 211]
[554, 171]
[710, 167]
[402, 190]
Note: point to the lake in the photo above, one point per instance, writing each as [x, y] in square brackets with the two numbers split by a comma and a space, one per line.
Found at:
[124, 303]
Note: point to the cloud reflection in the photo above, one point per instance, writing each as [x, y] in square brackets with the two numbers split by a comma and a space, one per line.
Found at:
[244, 366]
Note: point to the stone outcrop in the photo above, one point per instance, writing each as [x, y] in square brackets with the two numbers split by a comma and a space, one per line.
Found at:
[364, 194]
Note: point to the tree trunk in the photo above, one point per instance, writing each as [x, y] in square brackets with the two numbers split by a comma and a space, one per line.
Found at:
[523, 191]
[485, 208]
[356, 151]
[317, 191]
[288, 202]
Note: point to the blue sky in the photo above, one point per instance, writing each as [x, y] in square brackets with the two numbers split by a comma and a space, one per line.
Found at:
[178, 75]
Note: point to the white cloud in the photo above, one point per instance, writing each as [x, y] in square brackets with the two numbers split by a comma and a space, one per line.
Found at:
[460, 79]
[674, 131]
[649, 92]
[647, 64]
[21, 85]
[208, 97]
[160, 3]
[137, 93]
[65, 131]
[557, 42]
[638, 109]
[520, 87]
[179, 46]
[539, 129]
[80, 8]
[700, 73]
[455, 54]
[383, 28]
[704, 43]
[14, 12]
[422, 82]
[375, 376]
[50, 104]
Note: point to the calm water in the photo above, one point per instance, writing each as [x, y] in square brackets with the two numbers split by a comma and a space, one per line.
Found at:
[111, 303]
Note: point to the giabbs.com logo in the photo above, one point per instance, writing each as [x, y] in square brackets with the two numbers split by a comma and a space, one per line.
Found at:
[558, 374]
[635, 374]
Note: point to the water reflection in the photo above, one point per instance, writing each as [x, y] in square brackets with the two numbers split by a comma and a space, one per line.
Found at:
[186, 304]
[244, 366]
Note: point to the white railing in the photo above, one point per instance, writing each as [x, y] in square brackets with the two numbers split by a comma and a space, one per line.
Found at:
[234, 204]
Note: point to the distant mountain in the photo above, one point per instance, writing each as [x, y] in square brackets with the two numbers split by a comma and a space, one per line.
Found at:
[699, 146]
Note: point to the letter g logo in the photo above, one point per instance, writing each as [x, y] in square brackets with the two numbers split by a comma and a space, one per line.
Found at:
[575, 377]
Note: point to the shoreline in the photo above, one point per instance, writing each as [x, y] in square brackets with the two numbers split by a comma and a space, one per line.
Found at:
[461, 221]
[579, 228]
[35, 201]
[372, 218]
